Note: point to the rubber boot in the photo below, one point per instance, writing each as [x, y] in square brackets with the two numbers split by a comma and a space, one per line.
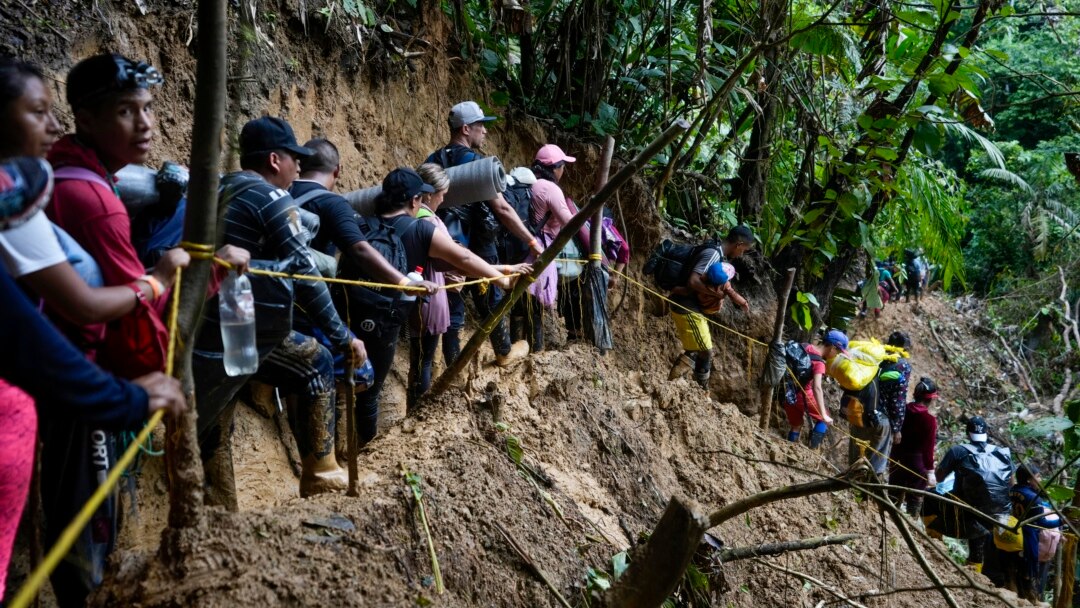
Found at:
[702, 379]
[818, 434]
[682, 365]
[793, 436]
[518, 351]
[322, 475]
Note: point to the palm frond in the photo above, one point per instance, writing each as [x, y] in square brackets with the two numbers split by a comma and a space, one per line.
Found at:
[1007, 177]
[972, 136]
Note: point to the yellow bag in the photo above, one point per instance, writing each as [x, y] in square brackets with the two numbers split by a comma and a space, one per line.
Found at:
[858, 366]
[853, 374]
[1007, 540]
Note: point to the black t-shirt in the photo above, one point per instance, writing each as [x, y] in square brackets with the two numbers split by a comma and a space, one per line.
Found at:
[339, 230]
[416, 236]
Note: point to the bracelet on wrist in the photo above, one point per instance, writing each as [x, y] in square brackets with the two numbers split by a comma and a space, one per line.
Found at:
[155, 285]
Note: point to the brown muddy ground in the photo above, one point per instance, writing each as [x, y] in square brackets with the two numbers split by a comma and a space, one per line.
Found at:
[612, 436]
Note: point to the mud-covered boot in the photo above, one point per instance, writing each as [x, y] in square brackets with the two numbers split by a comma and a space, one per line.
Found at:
[793, 436]
[322, 475]
[817, 436]
[683, 364]
[518, 351]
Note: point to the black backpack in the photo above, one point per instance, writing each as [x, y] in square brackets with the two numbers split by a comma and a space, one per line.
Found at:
[384, 237]
[800, 362]
[511, 249]
[983, 478]
[670, 264]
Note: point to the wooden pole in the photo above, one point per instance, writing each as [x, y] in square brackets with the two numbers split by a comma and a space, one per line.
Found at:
[548, 256]
[183, 463]
[602, 173]
[778, 336]
[352, 442]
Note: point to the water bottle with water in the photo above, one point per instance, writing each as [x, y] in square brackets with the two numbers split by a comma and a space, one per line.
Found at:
[416, 275]
[236, 309]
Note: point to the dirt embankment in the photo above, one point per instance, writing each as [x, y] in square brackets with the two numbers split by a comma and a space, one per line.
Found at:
[608, 439]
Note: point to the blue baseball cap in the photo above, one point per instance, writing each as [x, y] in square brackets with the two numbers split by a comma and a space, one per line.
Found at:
[837, 338]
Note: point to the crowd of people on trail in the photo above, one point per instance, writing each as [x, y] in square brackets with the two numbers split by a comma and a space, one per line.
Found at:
[974, 492]
[907, 279]
[87, 279]
[978, 497]
[86, 283]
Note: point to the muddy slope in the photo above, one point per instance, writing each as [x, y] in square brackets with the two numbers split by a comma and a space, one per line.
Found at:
[609, 440]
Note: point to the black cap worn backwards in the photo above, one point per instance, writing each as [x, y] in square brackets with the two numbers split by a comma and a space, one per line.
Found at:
[976, 429]
[402, 184]
[93, 78]
[267, 134]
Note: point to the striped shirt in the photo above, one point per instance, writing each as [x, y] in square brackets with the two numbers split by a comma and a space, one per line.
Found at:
[264, 220]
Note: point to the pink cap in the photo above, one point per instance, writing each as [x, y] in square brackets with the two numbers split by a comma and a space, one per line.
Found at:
[551, 154]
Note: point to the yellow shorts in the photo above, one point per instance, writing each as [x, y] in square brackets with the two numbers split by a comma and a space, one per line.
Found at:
[693, 331]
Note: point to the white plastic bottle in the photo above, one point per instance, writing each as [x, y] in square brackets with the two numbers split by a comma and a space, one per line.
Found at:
[236, 308]
[416, 275]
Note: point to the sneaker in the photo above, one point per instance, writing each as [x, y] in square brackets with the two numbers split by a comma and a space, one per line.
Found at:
[518, 351]
[683, 364]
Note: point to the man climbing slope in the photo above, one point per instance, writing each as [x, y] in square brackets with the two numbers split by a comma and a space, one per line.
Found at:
[704, 277]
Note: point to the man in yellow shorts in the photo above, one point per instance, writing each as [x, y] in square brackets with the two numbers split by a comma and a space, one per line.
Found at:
[706, 282]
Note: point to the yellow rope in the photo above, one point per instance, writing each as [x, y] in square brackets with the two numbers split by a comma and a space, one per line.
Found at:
[67, 539]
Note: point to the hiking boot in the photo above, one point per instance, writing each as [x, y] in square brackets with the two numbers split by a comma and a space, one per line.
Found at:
[322, 475]
[518, 351]
[683, 364]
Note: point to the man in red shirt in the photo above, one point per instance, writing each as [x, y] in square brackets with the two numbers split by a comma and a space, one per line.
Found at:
[805, 397]
[114, 126]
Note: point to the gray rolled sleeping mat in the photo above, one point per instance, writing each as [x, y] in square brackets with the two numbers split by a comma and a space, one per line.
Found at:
[479, 180]
[141, 187]
[138, 187]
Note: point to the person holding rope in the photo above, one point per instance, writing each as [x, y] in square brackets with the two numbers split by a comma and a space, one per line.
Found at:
[261, 216]
[112, 104]
[803, 395]
[475, 226]
[34, 351]
[377, 315]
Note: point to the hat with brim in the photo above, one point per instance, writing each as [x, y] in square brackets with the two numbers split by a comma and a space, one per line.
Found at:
[270, 134]
[467, 113]
[403, 184]
[553, 155]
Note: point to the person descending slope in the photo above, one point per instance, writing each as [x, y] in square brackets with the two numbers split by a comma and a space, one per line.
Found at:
[983, 473]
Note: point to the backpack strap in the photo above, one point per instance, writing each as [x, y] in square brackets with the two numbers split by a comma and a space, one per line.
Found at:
[83, 174]
[310, 196]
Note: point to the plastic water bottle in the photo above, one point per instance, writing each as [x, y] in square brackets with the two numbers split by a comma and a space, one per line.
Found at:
[416, 275]
[236, 308]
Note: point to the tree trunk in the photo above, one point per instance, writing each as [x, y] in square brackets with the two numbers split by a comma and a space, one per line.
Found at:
[754, 170]
[200, 226]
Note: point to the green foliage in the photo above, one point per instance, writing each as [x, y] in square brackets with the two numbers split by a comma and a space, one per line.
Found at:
[802, 310]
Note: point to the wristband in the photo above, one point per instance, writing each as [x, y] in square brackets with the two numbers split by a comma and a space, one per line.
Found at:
[532, 243]
[155, 285]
